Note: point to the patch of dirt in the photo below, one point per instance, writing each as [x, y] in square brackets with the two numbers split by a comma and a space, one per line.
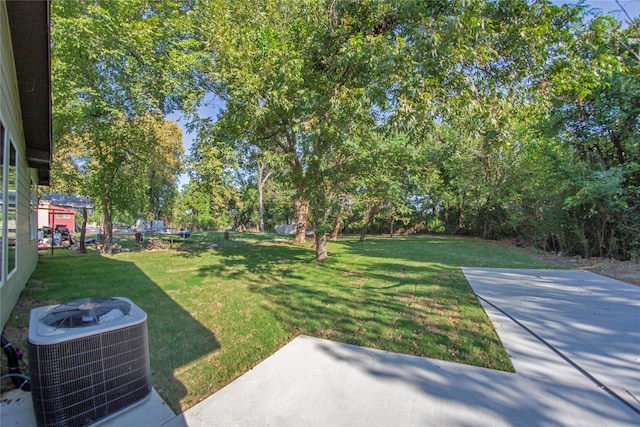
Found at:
[625, 271]
[157, 244]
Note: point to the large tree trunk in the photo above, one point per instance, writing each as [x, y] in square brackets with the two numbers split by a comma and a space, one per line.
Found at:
[321, 247]
[83, 232]
[107, 229]
[372, 213]
[302, 213]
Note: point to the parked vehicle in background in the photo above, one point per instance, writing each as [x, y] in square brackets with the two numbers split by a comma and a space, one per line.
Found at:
[183, 233]
[172, 232]
[122, 228]
[147, 226]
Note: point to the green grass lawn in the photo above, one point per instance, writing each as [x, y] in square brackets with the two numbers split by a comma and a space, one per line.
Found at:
[214, 314]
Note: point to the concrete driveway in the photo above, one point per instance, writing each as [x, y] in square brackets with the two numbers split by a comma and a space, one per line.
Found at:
[573, 337]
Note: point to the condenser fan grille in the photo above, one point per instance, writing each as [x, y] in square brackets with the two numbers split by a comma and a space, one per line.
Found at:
[86, 312]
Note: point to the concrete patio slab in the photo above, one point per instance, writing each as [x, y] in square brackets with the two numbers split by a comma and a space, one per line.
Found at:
[314, 382]
[16, 410]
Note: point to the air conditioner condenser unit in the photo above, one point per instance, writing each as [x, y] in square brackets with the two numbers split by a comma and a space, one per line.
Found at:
[88, 359]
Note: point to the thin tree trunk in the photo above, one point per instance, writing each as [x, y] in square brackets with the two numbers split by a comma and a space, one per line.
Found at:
[302, 213]
[261, 182]
[487, 228]
[152, 204]
[337, 221]
[372, 213]
[321, 247]
[83, 232]
[393, 220]
[337, 225]
[260, 207]
[107, 229]
[617, 144]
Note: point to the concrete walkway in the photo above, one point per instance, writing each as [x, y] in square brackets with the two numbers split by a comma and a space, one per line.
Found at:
[573, 336]
[592, 319]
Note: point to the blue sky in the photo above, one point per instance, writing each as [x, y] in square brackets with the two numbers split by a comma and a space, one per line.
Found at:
[213, 106]
[210, 109]
[610, 6]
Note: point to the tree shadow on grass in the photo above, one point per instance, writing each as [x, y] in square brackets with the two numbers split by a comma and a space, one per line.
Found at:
[176, 339]
[200, 243]
[261, 261]
[423, 309]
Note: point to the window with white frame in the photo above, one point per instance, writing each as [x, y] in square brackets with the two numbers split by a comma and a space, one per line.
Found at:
[9, 208]
[12, 206]
[3, 216]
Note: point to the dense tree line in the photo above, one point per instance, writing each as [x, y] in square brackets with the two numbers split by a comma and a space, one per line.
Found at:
[487, 118]
[505, 118]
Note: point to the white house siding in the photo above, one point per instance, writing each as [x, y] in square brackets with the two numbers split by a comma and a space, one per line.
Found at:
[27, 250]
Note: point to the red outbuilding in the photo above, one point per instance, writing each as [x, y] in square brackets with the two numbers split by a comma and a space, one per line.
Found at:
[51, 216]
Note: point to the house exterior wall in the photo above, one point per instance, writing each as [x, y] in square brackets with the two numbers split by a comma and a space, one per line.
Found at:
[26, 256]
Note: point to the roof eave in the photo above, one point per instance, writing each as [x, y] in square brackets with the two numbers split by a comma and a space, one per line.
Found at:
[29, 23]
